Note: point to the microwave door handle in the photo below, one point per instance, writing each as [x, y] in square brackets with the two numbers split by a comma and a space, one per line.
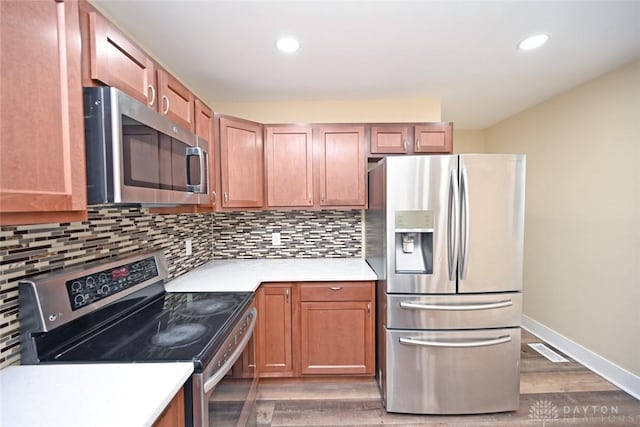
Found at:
[195, 151]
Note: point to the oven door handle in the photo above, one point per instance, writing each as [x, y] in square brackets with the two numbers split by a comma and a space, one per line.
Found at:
[215, 378]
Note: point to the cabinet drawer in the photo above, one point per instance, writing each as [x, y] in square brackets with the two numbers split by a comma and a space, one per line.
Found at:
[336, 291]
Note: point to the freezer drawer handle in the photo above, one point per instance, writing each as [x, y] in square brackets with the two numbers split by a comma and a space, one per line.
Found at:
[456, 307]
[461, 344]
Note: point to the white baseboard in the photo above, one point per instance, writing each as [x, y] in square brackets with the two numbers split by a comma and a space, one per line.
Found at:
[598, 364]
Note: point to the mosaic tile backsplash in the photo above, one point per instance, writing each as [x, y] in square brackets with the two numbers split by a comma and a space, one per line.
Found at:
[115, 231]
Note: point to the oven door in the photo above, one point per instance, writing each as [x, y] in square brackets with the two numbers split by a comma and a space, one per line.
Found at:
[219, 397]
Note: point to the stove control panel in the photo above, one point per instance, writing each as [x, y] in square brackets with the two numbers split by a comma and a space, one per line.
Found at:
[88, 289]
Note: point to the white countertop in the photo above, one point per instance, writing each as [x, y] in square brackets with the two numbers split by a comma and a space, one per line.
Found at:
[240, 275]
[80, 395]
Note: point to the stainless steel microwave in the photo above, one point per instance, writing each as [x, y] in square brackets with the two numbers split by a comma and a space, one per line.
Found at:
[136, 155]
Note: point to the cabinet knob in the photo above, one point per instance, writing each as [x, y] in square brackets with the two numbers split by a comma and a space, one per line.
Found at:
[322, 197]
[335, 288]
[153, 95]
[225, 196]
[418, 144]
[404, 145]
[213, 193]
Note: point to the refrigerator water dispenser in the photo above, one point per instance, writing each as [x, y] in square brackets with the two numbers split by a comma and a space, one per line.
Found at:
[414, 242]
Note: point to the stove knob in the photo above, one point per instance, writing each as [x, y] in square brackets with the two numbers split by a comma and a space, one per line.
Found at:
[76, 286]
[79, 299]
[102, 278]
[105, 290]
[91, 282]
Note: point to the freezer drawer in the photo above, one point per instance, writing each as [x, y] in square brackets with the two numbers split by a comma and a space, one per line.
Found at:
[452, 372]
[498, 310]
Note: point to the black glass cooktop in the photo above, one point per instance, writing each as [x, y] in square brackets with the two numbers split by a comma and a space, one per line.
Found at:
[173, 327]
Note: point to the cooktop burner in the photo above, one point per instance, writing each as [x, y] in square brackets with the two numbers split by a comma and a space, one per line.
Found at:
[209, 305]
[179, 335]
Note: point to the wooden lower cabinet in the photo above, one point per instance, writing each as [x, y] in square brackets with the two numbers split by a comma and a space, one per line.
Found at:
[319, 328]
[336, 337]
[274, 331]
[173, 415]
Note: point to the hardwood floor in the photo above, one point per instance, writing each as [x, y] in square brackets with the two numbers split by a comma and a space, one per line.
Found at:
[552, 394]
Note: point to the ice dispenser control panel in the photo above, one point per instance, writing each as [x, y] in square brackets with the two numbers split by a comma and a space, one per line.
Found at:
[414, 241]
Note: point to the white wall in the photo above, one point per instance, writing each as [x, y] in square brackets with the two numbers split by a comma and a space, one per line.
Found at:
[469, 141]
[582, 241]
[335, 111]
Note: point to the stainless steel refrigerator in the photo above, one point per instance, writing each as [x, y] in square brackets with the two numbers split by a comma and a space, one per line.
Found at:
[444, 235]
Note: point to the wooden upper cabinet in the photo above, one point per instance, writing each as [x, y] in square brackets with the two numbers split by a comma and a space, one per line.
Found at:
[341, 165]
[116, 61]
[433, 138]
[204, 130]
[422, 138]
[42, 164]
[241, 163]
[389, 139]
[289, 166]
[111, 58]
[175, 101]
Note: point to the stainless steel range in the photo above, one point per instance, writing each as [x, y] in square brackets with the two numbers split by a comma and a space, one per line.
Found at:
[118, 311]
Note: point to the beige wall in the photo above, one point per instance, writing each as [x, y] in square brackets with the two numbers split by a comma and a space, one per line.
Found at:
[469, 141]
[582, 242]
[337, 111]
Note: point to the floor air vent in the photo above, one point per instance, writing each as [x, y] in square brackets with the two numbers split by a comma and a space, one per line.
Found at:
[547, 352]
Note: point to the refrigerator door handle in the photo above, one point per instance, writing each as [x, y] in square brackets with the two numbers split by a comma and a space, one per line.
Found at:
[464, 224]
[452, 224]
[456, 307]
[456, 344]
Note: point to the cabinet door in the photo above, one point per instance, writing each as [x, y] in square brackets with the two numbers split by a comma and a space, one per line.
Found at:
[389, 139]
[274, 338]
[341, 165]
[241, 163]
[117, 62]
[173, 415]
[336, 338]
[175, 101]
[289, 162]
[42, 164]
[434, 138]
[204, 130]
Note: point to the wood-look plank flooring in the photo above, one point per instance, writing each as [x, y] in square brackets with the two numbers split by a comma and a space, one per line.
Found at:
[552, 394]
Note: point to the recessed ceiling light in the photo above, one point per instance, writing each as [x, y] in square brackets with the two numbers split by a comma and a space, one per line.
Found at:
[288, 44]
[533, 42]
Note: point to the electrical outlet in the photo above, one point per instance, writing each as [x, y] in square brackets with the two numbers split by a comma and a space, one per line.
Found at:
[275, 239]
[188, 249]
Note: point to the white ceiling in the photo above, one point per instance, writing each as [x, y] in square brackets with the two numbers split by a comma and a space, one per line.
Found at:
[463, 52]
